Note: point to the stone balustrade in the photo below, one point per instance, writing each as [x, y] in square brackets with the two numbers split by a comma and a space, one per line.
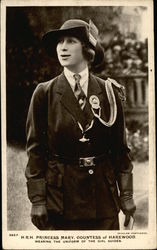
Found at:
[136, 88]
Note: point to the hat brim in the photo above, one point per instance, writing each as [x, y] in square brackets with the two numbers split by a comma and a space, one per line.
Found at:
[51, 38]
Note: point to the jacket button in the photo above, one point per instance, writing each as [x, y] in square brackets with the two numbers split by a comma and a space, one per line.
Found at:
[90, 171]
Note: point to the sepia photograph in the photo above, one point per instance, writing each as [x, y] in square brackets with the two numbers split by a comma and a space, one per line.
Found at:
[78, 125]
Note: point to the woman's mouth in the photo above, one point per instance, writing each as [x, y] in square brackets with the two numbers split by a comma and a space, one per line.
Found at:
[65, 56]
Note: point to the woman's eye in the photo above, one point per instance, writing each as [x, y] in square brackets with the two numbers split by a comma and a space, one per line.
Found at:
[71, 40]
[67, 40]
[61, 41]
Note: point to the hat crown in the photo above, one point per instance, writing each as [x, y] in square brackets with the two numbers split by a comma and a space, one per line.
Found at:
[90, 29]
[74, 23]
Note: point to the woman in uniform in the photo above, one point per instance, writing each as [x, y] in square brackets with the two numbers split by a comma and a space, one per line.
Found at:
[79, 172]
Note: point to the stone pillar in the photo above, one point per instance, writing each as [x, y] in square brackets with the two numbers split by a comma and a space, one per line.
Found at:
[138, 86]
[130, 93]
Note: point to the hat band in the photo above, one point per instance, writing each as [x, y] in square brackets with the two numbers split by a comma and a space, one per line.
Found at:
[93, 33]
[92, 40]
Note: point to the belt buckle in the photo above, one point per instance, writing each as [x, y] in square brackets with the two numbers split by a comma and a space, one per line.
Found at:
[87, 162]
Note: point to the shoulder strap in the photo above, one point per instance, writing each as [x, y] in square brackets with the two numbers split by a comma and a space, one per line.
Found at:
[120, 88]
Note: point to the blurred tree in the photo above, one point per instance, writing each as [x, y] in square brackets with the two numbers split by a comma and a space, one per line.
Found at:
[42, 19]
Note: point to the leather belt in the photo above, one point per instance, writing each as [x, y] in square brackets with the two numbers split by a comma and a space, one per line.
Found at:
[82, 161]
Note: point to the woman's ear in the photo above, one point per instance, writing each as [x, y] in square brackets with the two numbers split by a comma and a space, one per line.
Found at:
[99, 60]
[88, 53]
[91, 54]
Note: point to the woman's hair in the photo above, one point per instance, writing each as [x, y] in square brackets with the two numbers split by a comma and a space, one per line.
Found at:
[88, 52]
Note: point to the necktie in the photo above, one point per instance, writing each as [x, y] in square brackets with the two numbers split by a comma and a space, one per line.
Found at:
[80, 95]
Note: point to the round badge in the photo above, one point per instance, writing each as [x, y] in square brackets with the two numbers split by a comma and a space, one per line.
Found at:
[90, 171]
[94, 101]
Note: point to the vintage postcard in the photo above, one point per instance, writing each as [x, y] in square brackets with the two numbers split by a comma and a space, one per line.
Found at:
[78, 124]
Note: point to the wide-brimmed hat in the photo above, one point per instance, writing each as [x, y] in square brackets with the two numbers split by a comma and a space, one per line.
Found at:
[86, 32]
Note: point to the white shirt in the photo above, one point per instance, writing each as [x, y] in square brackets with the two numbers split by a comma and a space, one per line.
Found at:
[83, 81]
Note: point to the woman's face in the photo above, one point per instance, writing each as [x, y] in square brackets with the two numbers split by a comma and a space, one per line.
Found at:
[69, 52]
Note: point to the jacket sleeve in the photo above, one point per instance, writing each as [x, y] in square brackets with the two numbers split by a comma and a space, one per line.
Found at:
[36, 134]
[122, 160]
[120, 149]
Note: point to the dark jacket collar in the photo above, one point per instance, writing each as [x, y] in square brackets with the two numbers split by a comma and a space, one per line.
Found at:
[93, 87]
[70, 102]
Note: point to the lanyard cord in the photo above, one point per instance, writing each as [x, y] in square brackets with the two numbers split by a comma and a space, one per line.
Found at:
[113, 106]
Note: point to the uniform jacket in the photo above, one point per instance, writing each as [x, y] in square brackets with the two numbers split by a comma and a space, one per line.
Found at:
[52, 129]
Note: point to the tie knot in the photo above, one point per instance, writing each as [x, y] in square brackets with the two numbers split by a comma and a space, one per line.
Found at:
[77, 78]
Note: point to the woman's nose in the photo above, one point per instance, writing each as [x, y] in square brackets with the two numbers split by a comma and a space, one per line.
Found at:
[64, 45]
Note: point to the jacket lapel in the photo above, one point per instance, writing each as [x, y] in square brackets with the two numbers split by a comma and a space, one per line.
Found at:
[94, 89]
[69, 100]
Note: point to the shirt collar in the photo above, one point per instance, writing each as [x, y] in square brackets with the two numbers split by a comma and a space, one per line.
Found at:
[84, 74]
[69, 75]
